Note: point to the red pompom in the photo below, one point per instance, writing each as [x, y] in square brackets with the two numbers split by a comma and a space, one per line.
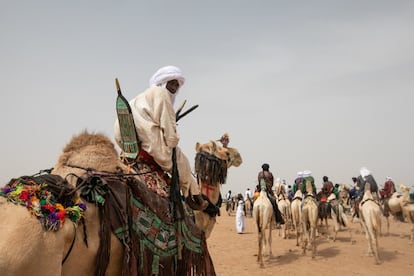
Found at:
[49, 207]
[24, 195]
[61, 215]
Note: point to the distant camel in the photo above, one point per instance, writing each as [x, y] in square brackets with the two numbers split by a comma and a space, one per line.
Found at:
[407, 207]
[344, 197]
[338, 215]
[248, 203]
[284, 207]
[309, 219]
[263, 216]
[370, 217]
[295, 207]
[395, 209]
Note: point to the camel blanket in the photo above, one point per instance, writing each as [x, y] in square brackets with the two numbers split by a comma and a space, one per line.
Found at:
[153, 239]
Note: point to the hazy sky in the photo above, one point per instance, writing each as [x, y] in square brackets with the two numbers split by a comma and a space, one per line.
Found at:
[319, 85]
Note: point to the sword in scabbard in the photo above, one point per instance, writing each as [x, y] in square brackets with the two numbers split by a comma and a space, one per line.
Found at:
[129, 138]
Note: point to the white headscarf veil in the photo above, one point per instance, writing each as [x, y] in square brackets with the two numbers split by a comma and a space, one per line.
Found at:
[164, 75]
[364, 172]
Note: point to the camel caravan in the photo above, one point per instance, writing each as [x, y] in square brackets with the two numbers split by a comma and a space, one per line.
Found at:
[309, 214]
[100, 213]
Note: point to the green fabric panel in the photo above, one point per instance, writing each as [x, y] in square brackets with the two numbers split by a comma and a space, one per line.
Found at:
[158, 236]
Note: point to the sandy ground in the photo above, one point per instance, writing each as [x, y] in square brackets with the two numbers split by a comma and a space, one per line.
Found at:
[236, 254]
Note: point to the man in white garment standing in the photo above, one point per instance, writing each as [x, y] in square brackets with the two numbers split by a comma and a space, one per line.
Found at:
[155, 121]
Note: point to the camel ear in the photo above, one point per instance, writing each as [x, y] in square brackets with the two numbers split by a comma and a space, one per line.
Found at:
[213, 146]
[197, 147]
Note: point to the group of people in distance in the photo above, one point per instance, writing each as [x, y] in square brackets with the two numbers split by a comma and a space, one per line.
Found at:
[328, 190]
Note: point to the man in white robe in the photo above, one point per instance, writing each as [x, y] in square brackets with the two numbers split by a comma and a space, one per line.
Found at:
[155, 121]
[240, 215]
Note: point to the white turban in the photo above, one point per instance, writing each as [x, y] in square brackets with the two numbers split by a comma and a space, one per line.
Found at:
[300, 173]
[364, 172]
[165, 74]
[307, 173]
[388, 178]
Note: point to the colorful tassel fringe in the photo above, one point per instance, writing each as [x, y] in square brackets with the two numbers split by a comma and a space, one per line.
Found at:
[42, 204]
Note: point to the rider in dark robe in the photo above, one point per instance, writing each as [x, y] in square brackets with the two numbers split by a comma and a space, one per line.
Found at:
[268, 178]
[327, 187]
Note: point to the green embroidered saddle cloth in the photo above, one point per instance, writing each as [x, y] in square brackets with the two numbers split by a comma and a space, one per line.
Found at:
[155, 243]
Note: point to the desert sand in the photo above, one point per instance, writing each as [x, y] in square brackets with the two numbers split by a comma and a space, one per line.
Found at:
[236, 254]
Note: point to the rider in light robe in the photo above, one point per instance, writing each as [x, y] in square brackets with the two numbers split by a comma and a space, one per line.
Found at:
[155, 121]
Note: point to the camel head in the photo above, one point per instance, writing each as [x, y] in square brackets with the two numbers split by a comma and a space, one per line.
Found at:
[211, 164]
[230, 155]
[404, 188]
